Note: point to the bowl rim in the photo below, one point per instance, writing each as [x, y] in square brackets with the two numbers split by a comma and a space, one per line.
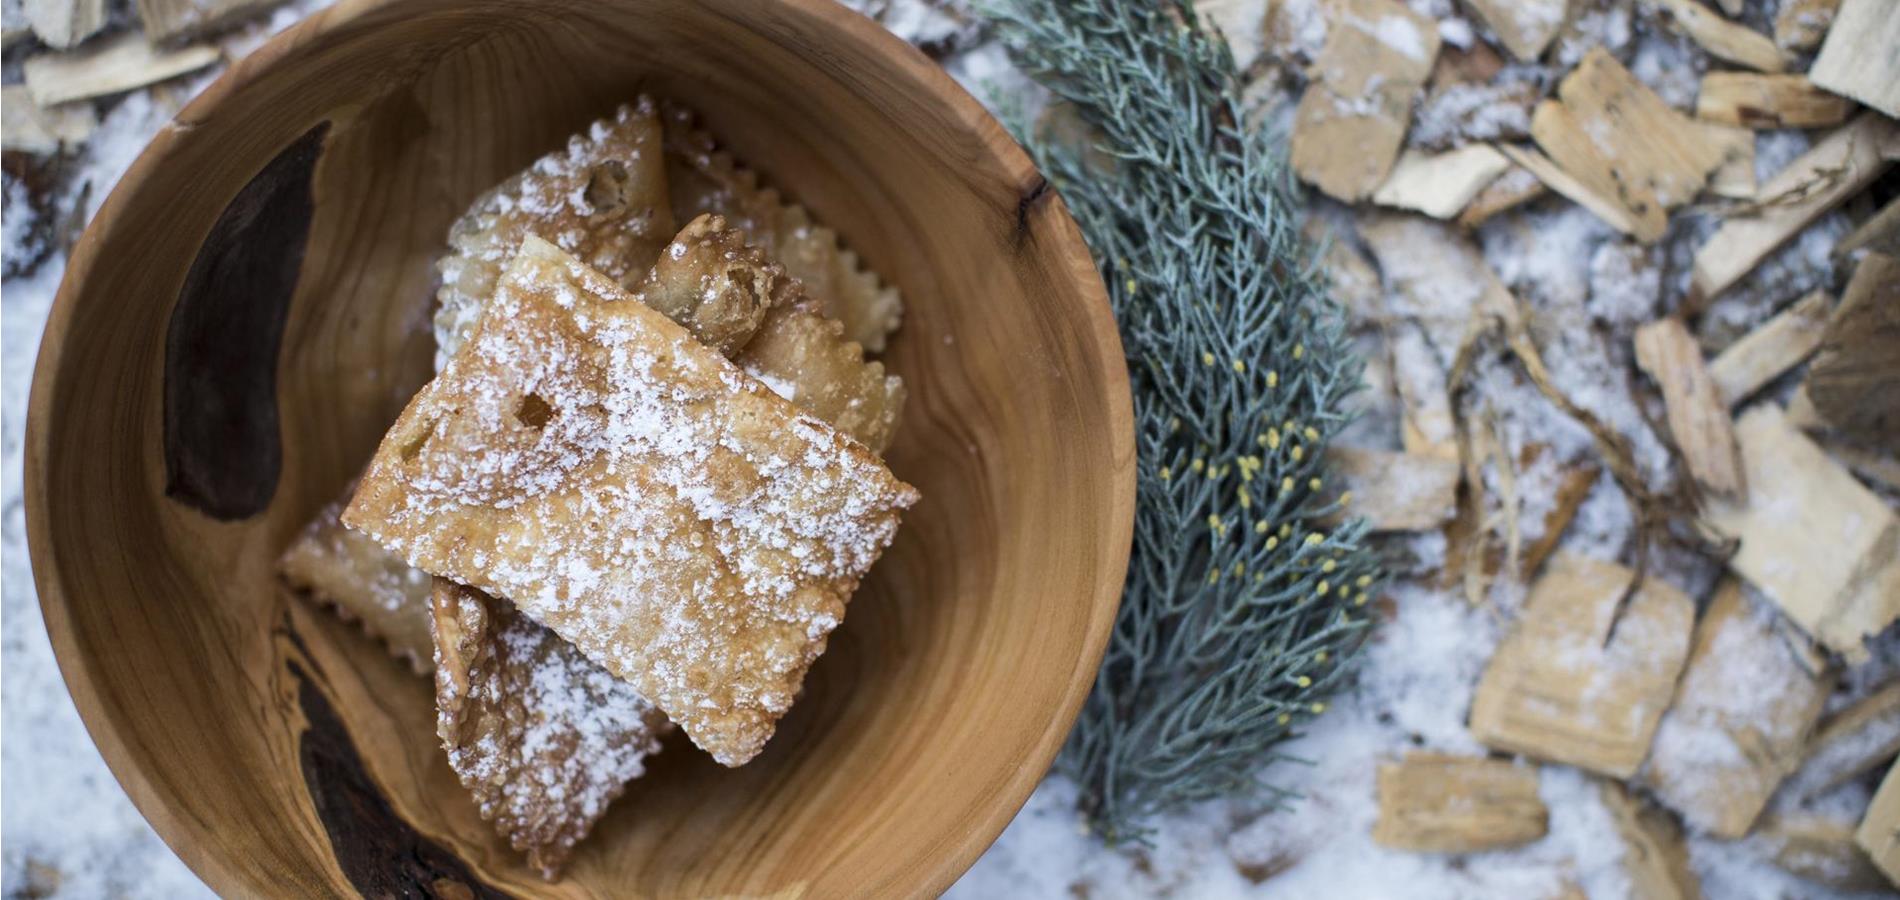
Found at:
[190, 839]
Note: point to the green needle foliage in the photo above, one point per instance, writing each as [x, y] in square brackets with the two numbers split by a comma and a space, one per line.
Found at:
[1245, 593]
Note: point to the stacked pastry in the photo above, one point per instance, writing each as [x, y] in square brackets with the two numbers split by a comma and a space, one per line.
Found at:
[641, 488]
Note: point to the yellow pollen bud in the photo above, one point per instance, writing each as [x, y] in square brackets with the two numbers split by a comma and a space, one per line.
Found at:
[1213, 520]
[1197, 465]
[1313, 483]
[1272, 542]
[1319, 708]
[1286, 485]
[1298, 452]
[1303, 681]
[1273, 438]
[1345, 499]
[1284, 718]
[1240, 366]
[1207, 359]
[1166, 473]
[1320, 656]
[1299, 350]
[1365, 581]
[1273, 379]
[1324, 586]
[1131, 285]
[1328, 566]
[1314, 539]
[1260, 527]
[1312, 434]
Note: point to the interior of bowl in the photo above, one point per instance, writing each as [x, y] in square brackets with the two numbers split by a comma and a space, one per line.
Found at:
[308, 193]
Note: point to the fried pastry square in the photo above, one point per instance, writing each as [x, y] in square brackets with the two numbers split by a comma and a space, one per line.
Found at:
[636, 492]
[703, 178]
[542, 737]
[348, 571]
[603, 199]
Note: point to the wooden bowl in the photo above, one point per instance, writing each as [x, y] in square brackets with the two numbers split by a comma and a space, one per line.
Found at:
[247, 314]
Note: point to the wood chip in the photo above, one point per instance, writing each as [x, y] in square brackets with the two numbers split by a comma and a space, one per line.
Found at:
[1427, 428]
[1740, 721]
[1352, 118]
[1624, 145]
[1859, 59]
[1774, 347]
[1572, 489]
[1820, 849]
[62, 24]
[30, 129]
[1735, 177]
[121, 64]
[1574, 684]
[1801, 24]
[1525, 27]
[1396, 491]
[1753, 100]
[1355, 283]
[1879, 832]
[1849, 744]
[1837, 167]
[1439, 803]
[1880, 233]
[1873, 465]
[1434, 274]
[1817, 543]
[1855, 380]
[1654, 854]
[1605, 206]
[1516, 187]
[1722, 38]
[1440, 185]
[167, 21]
[1698, 417]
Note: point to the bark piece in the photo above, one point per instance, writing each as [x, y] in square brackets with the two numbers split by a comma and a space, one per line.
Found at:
[1440, 185]
[1352, 118]
[1397, 491]
[1516, 187]
[1836, 168]
[1817, 543]
[121, 64]
[1698, 417]
[1575, 684]
[1855, 380]
[1754, 100]
[1439, 803]
[1850, 743]
[1723, 39]
[1740, 721]
[1819, 849]
[42, 132]
[1774, 347]
[63, 24]
[1625, 145]
[173, 20]
[1654, 854]
[1525, 27]
[1879, 832]
[1801, 24]
[1859, 59]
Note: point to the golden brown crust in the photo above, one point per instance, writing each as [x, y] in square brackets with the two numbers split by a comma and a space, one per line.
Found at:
[703, 178]
[634, 491]
[351, 573]
[541, 736]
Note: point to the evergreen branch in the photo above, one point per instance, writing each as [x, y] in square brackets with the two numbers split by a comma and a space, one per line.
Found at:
[1242, 606]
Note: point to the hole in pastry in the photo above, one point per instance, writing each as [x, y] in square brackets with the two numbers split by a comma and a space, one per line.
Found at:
[607, 187]
[534, 411]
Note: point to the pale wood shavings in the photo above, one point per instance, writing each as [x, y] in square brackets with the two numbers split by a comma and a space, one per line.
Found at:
[1849, 744]
[1605, 206]
[1855, 379]
[1860, 59]
[26, 127]
[1820, 849]
[1880, 233]
[1740, 720]
[172, 20]
[1774, 347]
[1352, 118]
[1817, 543]
[1516, 187]
[1427, 427]
[1879, 832]
[1355, 283]
[63, 24]
[1620, 141]
[1698, 417]
[1801, 24]
[1525, 27]
[110, 67]
[1734, 178]
[1572, 489]
[1440, 185]
[1439, 803]
[1722, 38]
[1753, 100]
[1654, 854]
[1241, 22]
[1574, 684]
[1836, 168]
[1396, 491]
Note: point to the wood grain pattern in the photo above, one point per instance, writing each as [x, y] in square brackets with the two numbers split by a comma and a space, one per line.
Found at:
[967, 653]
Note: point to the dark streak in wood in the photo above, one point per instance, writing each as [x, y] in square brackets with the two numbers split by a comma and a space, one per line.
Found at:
[382, 855]
[223, 452]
